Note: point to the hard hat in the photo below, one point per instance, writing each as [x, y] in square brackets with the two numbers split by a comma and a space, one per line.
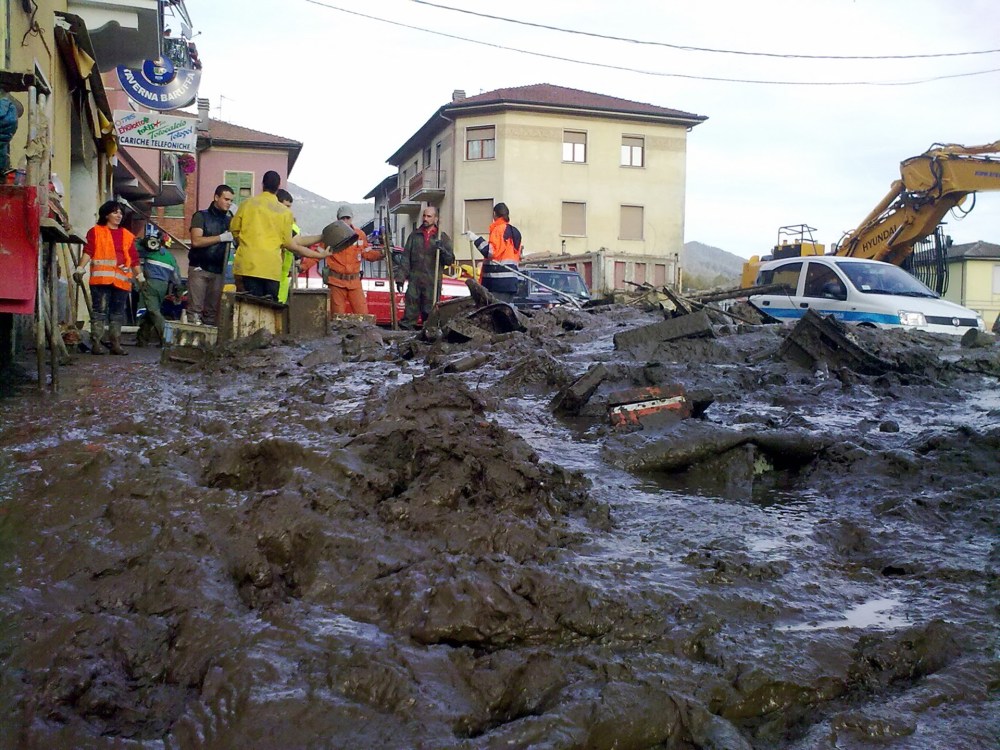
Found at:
[345, 212]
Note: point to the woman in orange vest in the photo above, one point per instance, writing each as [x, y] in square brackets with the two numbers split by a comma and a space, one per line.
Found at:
[110, 250]
[502, 252]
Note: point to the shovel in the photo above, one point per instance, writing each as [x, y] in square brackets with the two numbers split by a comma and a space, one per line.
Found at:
[437, 272]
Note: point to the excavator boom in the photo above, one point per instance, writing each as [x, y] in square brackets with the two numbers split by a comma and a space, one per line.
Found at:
[930, 185]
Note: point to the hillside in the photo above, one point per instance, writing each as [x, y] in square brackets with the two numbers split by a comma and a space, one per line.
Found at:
[313, 212]
[706, 266]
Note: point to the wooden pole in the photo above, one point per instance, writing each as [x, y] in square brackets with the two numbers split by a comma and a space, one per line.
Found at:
[387, 244]
[40, 321]
[53, 316]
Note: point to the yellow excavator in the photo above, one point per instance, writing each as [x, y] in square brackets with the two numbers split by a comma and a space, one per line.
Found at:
[930, 185]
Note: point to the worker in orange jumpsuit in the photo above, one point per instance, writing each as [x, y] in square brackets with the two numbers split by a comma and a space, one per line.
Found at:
[343, 270]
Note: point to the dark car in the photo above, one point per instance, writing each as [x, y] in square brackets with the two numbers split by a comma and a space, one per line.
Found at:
[550, 287]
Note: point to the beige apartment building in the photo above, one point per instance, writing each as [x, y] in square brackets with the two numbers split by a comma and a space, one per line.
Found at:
[593, 182]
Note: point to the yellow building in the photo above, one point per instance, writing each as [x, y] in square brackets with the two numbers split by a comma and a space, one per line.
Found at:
[974, 278]
[592, 181]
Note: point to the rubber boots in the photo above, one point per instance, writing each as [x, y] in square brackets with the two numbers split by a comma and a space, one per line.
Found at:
[116, 339]
[96, 334]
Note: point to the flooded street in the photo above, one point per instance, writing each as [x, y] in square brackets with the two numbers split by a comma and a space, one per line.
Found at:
[340, 544]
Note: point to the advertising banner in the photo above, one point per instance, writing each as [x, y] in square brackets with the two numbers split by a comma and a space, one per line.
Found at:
[155, 130]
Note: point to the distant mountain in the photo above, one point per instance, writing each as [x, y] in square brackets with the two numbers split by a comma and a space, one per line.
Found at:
[313, 212]
[706, 266]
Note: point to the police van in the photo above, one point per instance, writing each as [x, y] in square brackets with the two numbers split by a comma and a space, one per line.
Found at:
[859, 292]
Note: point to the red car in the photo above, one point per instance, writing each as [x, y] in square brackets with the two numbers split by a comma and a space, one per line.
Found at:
[375, 282]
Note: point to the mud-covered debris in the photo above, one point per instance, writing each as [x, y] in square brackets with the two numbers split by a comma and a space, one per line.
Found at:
[325, 355]
[881, 660]
[464, 364]
[572, 398]
[498, 318]
[461, 330]
[570, 318]
[817, 340]
[976, 339]
[648, 407]
[443, 312]
[647, 337]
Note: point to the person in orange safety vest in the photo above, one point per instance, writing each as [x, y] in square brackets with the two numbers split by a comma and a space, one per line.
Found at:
[502, 252]
[343, 270]
[111, 253]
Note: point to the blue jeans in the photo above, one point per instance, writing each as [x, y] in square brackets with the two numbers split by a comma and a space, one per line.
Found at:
[109, 303]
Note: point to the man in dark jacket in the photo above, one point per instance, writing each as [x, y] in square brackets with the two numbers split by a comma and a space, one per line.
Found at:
[210, 240]
[428, 249]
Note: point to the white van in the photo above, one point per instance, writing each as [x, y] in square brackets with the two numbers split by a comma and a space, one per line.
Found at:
[861, 292]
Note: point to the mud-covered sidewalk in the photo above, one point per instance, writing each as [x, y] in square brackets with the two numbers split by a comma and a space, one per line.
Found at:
[372, 540]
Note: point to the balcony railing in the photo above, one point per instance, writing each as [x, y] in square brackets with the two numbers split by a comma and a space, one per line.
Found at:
[427, 184]
[400, 201]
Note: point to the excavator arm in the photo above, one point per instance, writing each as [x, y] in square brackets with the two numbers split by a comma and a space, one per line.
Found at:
[930, 185]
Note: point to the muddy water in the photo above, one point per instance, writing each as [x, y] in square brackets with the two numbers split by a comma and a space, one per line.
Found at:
[326, 544]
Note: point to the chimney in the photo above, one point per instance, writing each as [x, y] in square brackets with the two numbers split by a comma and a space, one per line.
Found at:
[203, 115]
[458, 95]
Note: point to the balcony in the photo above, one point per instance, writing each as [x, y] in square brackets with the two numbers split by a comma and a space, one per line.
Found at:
[428, 185]
[401, 203]
[123, 32]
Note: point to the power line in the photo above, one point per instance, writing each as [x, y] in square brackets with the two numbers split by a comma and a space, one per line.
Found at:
[688, 48]
[640, 71]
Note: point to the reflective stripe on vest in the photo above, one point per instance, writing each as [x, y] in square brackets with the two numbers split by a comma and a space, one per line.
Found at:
[499, 270]
[159, 263]
[499, 278]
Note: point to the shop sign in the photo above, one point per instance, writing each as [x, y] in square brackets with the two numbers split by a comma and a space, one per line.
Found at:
[156, 130]
[159, 85]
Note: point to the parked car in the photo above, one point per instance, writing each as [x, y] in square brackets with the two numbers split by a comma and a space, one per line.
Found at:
[860, 292]
[375, 282]
[533, 294]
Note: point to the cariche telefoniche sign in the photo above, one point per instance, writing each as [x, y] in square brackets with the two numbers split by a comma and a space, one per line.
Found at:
[155, 130]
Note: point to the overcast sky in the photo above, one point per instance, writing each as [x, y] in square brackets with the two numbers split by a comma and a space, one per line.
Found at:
[353, 89]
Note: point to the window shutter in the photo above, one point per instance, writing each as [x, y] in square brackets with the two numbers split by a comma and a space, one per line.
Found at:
[631, 223]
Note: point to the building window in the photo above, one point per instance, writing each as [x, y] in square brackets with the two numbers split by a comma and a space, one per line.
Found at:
[242, 185]
[480, 143]
[174, 212]
[574, 146]
[633, 151]
[996, 278]
[631, 223]
[478, 215]
[574, 219]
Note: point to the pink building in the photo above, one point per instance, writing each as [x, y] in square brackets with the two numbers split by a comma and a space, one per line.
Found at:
[227, 155]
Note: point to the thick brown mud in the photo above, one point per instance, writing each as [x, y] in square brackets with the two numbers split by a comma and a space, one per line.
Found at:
[376, 541]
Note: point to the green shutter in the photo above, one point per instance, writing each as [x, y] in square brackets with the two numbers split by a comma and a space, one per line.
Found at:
[241, 183]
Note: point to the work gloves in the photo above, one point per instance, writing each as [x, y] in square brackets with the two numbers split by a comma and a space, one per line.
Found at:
[140, 277]
[471, 235]
[78, 275]
[226, 237]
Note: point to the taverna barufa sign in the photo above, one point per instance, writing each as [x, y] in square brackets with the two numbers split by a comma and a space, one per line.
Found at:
[156, 130]
[160, 85]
